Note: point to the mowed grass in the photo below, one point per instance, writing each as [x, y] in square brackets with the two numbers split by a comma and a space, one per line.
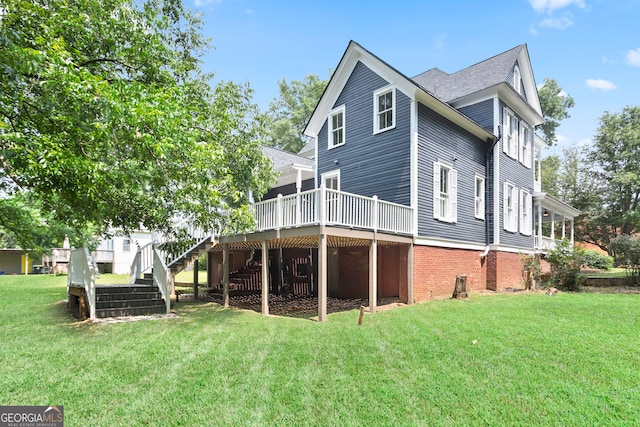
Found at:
[528, 359]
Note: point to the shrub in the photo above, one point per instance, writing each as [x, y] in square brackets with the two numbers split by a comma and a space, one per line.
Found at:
[597, 260]
[627, 252]
[566, 261]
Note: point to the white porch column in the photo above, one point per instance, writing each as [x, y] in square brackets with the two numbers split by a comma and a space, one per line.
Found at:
[564, 225]
[322, 278]
[539, 236]
[553, 226]
[225, 275]
[373, 275]
[572, 241]
[265, 278]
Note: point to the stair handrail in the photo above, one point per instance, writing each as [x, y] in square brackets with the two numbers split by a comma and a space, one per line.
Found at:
[82, 273]
[161, 276]
[142, 261]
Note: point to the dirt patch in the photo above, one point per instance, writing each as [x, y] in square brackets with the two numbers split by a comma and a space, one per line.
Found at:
[611, 289]
[108, 320]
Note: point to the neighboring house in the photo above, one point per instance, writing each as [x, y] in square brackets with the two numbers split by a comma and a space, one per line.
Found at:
[16, 261]
[113, 255]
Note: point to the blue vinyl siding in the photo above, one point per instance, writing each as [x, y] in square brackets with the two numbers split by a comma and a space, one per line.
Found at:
[369, 164]
[285, 190]
[516, 173]
[441, 140]
[481, 113]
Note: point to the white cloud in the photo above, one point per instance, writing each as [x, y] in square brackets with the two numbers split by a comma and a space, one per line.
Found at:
[249, 11]
[606, 60]
[558, 23]
[549, 6]
[200, 3]
[600, 84]
[633, 57]
[439, 41]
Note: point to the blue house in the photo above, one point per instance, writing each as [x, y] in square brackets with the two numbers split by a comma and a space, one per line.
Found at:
[406, 184]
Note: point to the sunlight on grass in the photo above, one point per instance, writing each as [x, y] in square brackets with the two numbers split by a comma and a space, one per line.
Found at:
[527, 359]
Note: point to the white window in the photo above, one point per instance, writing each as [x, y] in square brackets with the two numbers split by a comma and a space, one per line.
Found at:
[384, 117]
[517, 79]
[525, 213]
[510, 207]
[445, 192]
[479, 197]
[510, 134]
[337, 127]
[126, 245]
[525, 143]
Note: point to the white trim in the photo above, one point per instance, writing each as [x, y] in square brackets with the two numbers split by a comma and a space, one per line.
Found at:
[517, 79]
[336, 111]
[496, 173]
[510, 218]
[451, 208]
[446, 243]
[331, 174]
[414, 164]
[512, 249]
[526, 206]
[376, 112]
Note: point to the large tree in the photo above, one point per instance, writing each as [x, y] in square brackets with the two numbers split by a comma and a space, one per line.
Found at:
[288, 114]
[106, 117]
[614, 163]
[555, 104]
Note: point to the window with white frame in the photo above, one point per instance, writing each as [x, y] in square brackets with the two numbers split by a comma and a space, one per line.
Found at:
[525, 213]
[445, 192]
[510, 134]
[384, 117]
[126, 245]
[517, 79]
[525, 143]
[337, 127]
[510, 207]
[331, 181]
[479, 197]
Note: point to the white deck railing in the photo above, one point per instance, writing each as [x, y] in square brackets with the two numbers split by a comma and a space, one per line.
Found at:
[82, 274]
[545, 243]
[331, 207]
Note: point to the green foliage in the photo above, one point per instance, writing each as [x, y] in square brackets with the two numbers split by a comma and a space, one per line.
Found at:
[106, 117]
[627, 252]
[554, 103]
[531, 264]
[566, 261]
[289, 113]
[613, 165]
[597, 260]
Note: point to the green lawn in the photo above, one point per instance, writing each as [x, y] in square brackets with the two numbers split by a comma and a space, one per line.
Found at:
[528, 359]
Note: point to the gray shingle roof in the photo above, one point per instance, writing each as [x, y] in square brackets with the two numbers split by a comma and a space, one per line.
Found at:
[485, 74]
[282, 158]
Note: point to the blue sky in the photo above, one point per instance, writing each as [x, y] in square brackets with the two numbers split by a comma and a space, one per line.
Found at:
[586, 45]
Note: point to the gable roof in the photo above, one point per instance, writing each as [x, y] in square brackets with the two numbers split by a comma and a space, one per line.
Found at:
[482, 75]
[356, 53]
[282, 159]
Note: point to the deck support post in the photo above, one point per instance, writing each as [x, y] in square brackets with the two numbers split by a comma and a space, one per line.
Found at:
[373, 275]
[265, 278]
[410, 270]
[225, 275]
[195, 279]
[322, 278]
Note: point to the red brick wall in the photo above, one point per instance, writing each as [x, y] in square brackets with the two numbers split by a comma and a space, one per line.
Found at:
[436, 269]
[504, 270]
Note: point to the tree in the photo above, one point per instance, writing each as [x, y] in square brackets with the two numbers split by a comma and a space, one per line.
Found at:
[107, 119]
[554, 103]
[288, 114]
[614, 165]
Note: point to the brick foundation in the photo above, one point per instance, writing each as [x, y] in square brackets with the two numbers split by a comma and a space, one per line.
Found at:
[504, 270]
[435, 271]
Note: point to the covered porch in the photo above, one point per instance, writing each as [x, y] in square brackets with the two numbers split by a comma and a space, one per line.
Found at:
[553, 221]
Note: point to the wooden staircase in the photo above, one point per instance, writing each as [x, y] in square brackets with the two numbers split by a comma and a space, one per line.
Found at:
[184, 260]
[141, 298]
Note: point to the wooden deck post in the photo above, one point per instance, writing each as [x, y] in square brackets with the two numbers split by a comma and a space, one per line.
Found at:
[225, 275]
[265, 278]
[322, 278]
[373, 275]
[195, 279]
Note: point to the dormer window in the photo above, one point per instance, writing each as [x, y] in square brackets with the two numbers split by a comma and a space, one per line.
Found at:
[517, 79]
[384, 102]
[337, 127]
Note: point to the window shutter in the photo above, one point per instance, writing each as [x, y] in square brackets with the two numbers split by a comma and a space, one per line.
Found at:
[527, 153]
[506, 131]
[453, 195]
[436, 190]
[514, 139]
[505, 210]
[521, 211]
[529, 207]
[521, 144]
[514, 217]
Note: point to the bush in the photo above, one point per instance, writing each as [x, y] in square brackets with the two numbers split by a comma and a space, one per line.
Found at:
[566, 261]
[627, 252]
[597, 260]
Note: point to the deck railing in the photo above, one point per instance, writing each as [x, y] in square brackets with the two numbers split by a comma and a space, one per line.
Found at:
[161, 276]
[82, 273]
[331, 207]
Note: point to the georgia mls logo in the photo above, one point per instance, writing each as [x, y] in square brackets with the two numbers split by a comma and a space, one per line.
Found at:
[31, 416]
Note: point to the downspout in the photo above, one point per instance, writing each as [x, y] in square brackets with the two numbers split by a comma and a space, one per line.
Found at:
[487, 157]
